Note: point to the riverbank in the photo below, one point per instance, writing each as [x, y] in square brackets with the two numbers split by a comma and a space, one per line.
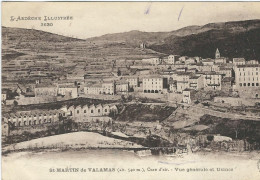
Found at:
[75, 140]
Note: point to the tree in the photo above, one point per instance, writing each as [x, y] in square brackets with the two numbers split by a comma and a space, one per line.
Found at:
[118, 72]
[123, 98]
[210, 138]
[15, 103]
[130, 98]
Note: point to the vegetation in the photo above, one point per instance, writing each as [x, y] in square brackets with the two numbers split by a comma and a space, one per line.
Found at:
[146, 113]
[236, 129]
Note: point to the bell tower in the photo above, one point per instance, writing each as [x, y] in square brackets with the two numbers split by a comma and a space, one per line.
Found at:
[217, 54]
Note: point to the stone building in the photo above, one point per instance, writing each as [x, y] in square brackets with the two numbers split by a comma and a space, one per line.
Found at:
[29, 118]
[153, 84]
[45, 90]
[247, 78]
[88, 113]
[122, 87]
[239, 61]
[212, 81]
[68, 90]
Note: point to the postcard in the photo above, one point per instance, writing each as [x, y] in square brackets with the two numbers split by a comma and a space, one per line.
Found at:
[130, 90]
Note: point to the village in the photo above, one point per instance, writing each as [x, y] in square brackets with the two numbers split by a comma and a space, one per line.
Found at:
[190, 87]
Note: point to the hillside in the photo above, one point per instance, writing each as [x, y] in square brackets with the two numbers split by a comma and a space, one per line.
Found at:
[234, 39]
[20, 34]
[54, 56]
[18, 42]
[242, 44]
[134, 38]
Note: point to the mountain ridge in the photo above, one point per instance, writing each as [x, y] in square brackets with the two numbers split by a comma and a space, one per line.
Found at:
[234, 39]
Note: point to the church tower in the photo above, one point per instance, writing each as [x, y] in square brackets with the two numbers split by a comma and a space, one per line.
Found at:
[217, 54]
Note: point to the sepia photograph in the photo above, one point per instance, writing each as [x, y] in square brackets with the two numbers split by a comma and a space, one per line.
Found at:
[130, 90]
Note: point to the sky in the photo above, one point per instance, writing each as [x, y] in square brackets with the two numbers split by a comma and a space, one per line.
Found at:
[92, 19]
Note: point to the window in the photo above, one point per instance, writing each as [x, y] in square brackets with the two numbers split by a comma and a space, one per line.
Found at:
[240, 84]
[244, 84]
[248, 84]
[105, 110]
[256, 84]
[253, 84]
[85, 111]
[78, 111]
[99, 110]
[91, 111]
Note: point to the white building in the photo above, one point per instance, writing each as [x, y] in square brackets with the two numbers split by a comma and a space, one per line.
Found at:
[188, 95]
[225, 71]
[182, 79]
[153, 84]
[247, 76]
[4, 96]
[221, 60]
[239, 61]
[45, 90]
[152, 61]
[122, 87]
[68, 90]
[133, 81]
[108, 87]
[252, 62]
[212, 81]
[190, 61]
[31, 118]
[196, 82]
[90, 113]
[172, 59]
[208, 62]
[93, 89]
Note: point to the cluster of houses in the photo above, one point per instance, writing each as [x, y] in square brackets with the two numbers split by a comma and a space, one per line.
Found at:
[162, 75]
[175, 74]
